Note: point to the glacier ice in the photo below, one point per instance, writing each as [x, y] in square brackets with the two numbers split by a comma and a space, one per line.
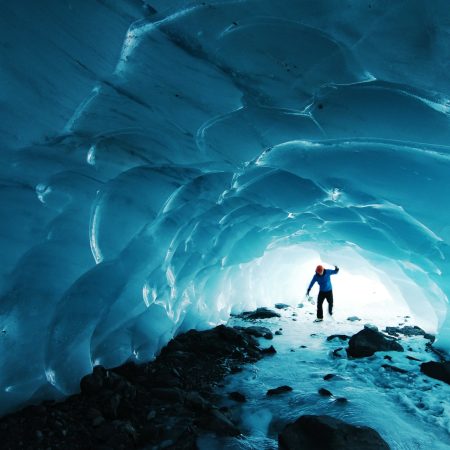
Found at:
[167, 162]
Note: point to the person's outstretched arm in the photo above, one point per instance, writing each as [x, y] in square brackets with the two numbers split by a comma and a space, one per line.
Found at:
[336, 270]
[314, 279]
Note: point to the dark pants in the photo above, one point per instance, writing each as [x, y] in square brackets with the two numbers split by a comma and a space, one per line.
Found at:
[328, 295]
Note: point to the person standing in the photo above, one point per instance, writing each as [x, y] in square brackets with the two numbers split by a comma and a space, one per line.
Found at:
[322, 277]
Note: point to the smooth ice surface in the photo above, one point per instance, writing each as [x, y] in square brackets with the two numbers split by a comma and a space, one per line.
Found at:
[167, 162]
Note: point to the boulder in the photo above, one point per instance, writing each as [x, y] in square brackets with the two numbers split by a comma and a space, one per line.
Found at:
[393, 368]
[259, 313]
[269, 350]
[281, 306]
[325, 392]
[342, 337]
[237, 397]
[409, 331]
[438, 370]
[257, 331]
[353, 318]
[327, 433]
[279, 390]
[368, 341]
[94, 382]
[218, 423]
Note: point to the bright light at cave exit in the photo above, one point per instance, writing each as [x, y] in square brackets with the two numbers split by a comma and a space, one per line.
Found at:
[374, 293]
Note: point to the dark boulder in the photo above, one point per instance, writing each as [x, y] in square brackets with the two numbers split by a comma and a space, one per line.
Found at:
[269, 350]
[368, 341]
[409, 331]
[281, 306]
[438, 370]
[393, 368]
[279, 390]
[237, 397]
[259, 313]
[257, 331]
[94, 382]
[325, 392]
[217, 422]
[342, 337]
[328, 433]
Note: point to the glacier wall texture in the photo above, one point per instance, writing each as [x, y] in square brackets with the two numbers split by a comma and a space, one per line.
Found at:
[153, 151]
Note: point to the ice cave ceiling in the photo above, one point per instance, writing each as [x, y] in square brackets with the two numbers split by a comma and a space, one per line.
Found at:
[157, 154]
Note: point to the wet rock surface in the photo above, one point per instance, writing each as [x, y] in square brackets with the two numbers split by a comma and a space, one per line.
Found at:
[368, 341]
[327, 433]
[166, 403]
[438, 370]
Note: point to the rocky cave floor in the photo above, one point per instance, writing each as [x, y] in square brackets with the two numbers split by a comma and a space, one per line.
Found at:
[171, 401]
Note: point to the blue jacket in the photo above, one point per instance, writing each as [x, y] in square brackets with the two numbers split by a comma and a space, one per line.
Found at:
[323, 280]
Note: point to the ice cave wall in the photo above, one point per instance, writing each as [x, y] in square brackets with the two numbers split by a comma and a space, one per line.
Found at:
[158, 155]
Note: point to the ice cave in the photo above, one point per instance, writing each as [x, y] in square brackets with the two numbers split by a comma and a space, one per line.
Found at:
[167, 163]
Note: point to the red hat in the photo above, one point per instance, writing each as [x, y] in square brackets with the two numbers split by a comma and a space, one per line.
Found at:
[319, 269]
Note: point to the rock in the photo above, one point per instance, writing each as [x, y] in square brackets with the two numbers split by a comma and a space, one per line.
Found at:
[259, 313]
[92, 413]
[93, 383]
[170, 394]
[325, 392]
[409, 331]
[393, 368]
[97, 421]
[342, 337]
[278, 333]
[438, 370]
[353, 318]
[196, 402]
[279, 390]
[341, 400]
[269, 350]
[412, 358]
[281, 306]
[110, 406]
[329, 376]
[237, 397]
[327, 433]
[336, 353]
[389, 358]
[257, 331]
[368, 341]
[218, 423]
